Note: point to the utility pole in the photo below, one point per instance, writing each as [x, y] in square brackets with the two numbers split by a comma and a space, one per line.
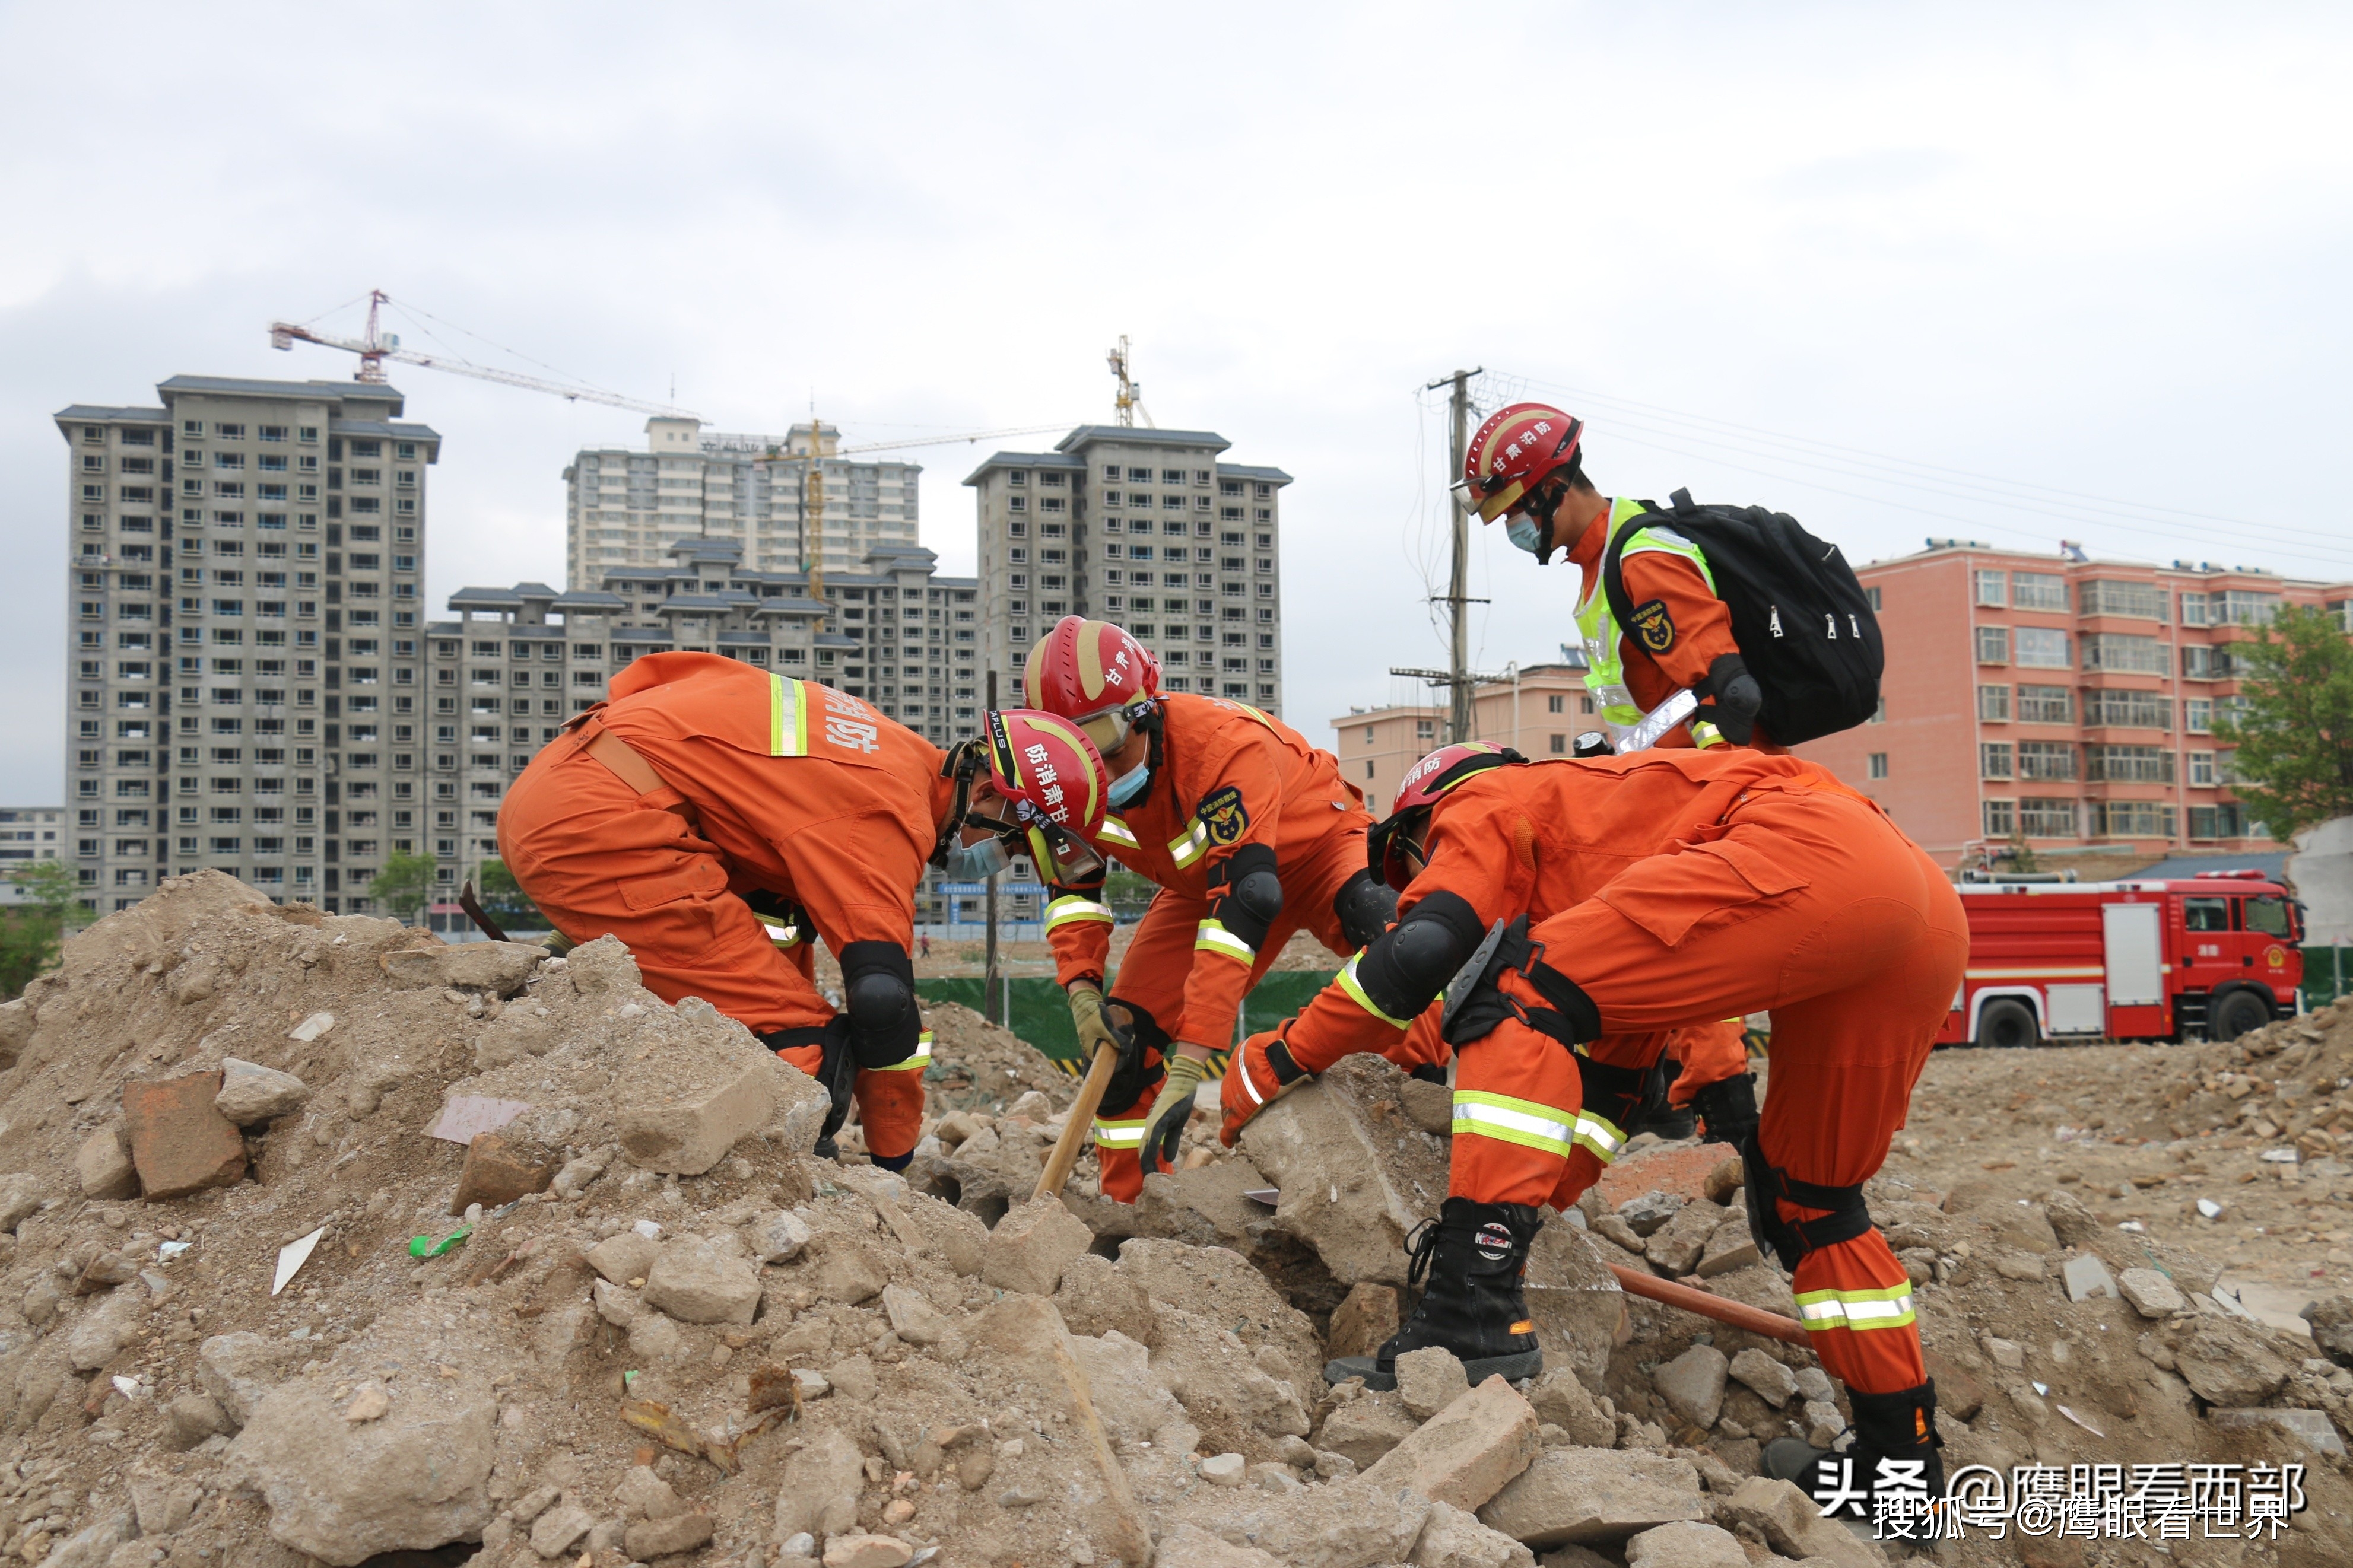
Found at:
[1458, 586]
[989, 982]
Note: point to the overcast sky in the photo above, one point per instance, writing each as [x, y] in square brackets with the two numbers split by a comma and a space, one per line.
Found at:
[2010, 273]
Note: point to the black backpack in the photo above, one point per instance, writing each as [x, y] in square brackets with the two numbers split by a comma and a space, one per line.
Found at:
[1805, 628]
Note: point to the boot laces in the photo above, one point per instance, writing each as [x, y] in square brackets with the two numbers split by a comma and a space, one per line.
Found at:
[1420, 1247]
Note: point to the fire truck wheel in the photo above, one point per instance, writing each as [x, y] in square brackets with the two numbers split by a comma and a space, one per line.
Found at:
[2237, 1014]
[2007, 1023]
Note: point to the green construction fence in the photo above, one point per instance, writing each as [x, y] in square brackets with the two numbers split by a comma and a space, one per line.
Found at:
[2327, 974]
[1041, 1016]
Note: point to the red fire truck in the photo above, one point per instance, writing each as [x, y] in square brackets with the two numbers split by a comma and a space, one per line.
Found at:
[2214, 955]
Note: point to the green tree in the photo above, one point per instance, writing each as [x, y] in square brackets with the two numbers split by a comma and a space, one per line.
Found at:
[405, 886]
[33, 933]
[505, 901]
[2294, 723]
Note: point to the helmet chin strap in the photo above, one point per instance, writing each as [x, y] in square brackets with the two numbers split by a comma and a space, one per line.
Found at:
[962, 764]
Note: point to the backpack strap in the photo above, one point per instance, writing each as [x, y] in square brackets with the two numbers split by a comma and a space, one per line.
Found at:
[1613, 570]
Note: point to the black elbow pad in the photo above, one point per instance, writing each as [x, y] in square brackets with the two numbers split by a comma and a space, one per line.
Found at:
[1405, 967]
[1736, 698]
[1245, 894]
[877, 992]
[1365, 906]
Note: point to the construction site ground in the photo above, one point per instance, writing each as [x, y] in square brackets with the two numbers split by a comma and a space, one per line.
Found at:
[269, 1298]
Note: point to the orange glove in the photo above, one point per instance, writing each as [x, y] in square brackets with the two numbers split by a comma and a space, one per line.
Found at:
[1260, 1073]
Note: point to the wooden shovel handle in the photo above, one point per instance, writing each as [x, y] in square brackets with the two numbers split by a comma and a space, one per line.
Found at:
[1738, 1314]
[1075, 1130]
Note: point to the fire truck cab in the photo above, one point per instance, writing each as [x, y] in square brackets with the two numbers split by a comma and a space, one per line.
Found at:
[2214, 955]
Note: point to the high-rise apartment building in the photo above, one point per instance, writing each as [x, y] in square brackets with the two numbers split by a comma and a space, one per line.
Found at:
[28, 834]
[1147, 528]
[2065, 702]
[518, 661]
[245, 564]
[626, 508]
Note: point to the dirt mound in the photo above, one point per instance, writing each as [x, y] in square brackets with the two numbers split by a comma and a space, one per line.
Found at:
[665, 1333]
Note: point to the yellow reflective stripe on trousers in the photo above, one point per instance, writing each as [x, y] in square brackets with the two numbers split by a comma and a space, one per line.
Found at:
[1071, 909]
[1600, 1135]
[1821, 1311]
[1347, 982]
[787, 718]
[1118, 834]
[916, 1063]
[1126, 1134]
[1213, 936]
[1191, 845]
[1522, 1122]
[783, 936]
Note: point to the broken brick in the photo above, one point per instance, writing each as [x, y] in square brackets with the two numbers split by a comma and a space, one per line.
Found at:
[179, 1143]
[498, 1171]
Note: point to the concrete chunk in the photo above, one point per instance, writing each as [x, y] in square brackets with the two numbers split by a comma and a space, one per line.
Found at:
[1576, 1303]
[178, 1142]
[2309, 1430]
[1565, 1403]
[1692, 1385]
[912, 1317]
[104, 1166]
[691, 1132]
[1452, 1538]
[1190, 1546]
[1428, 1379]
[2151, 1294]
[1466, 1453]
[1793, 1526]
[1364, 1321]
[251, 1094]
[623, 1258]
[1686, 1544]
[1365, 1428]
[1031, 1246]
[776, 1236]
[1351, 1523]
[1594, 1497]
[239, 1369]
[695, 1283]
[652, 1538]
[1354, 1174]
[2087, 1278]
[1773, 1382]
[1025, 1335]
[819, 1493]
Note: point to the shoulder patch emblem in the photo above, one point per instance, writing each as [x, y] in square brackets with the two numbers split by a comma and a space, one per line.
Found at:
[1223, 814]
[1654, 625]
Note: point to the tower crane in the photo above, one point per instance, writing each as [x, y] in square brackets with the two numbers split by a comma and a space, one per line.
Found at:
[378, 346]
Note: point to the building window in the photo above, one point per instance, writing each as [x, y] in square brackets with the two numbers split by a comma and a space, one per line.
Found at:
[2120, 651]
[2046, 705]
[1870, 597]
[1425, 729]
[1876, 764]
[2132, 819]
[1993, 704]
[1993, 589]
[2047, 818]
[2202, 769]
[2052, 760]
[2038, 591]
[1994, 760]
[2000, 818]
[1993, 645]
[1556, 703]
[2127, 709]
[2198, 716]
[2043, 647]
[2128, 765]
[2138, 601]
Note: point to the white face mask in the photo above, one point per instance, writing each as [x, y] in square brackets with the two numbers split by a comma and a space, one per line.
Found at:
[1129, 784]
[976, 862]
[1524, 533]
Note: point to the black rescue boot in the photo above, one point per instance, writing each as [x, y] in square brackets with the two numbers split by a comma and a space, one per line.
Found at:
[1894, 1460]
[1729, 1109]
[1669, 1124]
[1473, 1255]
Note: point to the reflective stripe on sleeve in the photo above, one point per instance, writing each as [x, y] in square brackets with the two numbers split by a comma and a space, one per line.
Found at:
[1191, 845]
[1522, 1122]
[1821, 1311]
[1216, 938]
[1071, 909]
[1118, 834]
[787, 718]
[916, 1063]
[1346, 981]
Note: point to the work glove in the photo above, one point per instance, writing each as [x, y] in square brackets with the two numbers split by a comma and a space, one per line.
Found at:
[1098, 1025]
[1260, 1073]
[1172, 1111]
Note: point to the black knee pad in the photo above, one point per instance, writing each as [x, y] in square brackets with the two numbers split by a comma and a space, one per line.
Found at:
[878, 992]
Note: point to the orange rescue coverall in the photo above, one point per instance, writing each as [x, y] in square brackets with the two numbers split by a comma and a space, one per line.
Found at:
[1675, 885]
[1228, 782]
[768, 785]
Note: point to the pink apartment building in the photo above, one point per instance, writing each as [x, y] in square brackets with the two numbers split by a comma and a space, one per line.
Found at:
[1538, 715]
[2067, 700]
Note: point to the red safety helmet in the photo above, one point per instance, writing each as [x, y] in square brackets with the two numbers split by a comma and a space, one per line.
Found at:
[1092, 672]
[1423, 784]
[1514, 452]
[1051, 773]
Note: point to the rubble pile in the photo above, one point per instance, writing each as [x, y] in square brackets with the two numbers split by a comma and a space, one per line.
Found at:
[325, 1242]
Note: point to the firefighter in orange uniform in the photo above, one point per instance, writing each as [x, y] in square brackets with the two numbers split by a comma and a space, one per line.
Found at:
[1602, 903]
[1251, 834]
[1526, 465]
[705, 787]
